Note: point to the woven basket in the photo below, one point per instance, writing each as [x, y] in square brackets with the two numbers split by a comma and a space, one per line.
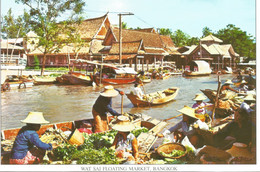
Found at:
[169, 147]
[76, 138]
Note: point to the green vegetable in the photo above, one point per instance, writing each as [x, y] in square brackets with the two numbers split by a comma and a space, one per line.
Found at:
[174, 153]
[138, 131]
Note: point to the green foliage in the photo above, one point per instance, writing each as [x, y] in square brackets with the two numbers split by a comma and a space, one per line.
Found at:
[36, 62]
[193, 41]
[164, 31]
[206, 32]
[242, 43]
[95, 150]
[180, 38]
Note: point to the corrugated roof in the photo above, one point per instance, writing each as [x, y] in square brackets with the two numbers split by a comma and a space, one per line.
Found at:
[149, 39]
[211, 38]
[5, 45]
[127, 47]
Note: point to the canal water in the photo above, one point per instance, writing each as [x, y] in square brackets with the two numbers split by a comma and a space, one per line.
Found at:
[61, 103]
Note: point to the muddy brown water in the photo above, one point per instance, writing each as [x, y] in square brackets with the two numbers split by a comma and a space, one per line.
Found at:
[60, 103]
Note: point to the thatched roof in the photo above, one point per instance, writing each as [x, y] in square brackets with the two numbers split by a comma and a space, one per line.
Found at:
[149, 39]
[169, 45]
[211, 38]
[127, 47]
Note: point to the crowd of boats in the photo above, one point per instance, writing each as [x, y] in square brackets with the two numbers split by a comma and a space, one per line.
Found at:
[224, 102]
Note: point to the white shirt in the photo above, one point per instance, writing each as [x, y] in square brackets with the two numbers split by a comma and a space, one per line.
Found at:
[185, 129]
[138, 92]
[246, 106]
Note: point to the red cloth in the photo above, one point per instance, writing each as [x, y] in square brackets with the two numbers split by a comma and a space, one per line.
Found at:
[85, 130]
[28, 159]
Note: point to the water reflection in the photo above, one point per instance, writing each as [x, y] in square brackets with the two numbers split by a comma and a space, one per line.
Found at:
[67, 102]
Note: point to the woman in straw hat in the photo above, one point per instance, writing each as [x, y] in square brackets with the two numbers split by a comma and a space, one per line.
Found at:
[102, 106]
[185, 127]
[23, 151]
[243, 86]
[125, 142]
[240, 130]
[226, 86]
[200, 106]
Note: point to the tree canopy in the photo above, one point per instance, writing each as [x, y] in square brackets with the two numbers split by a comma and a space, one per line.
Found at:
[43, 20]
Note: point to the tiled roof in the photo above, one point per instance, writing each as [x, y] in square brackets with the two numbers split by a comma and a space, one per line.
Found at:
[96, 46]
[149, 50]
[116, 57]
[211, 38]
[89, 28]
[149, 39]
[169, 45]
[127, 47]
[151, 30]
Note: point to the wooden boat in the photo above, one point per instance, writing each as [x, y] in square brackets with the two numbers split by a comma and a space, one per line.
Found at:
[197, 68]
[74, 78]
[156, 98]
[227, 70]
[118, 79]
[146, 80]
[44, 80]
[8, 135]
[15, 82]
[164, 76]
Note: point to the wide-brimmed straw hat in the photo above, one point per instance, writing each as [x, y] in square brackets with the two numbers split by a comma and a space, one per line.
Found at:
[249, 97]
[188, 111]
[240, 150]
[123, 124]
[199, 97]
[109, 91]
[35, 118]
[228, 81]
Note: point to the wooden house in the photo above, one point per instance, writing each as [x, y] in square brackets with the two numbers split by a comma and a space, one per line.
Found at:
[92, 32]
[217, 55]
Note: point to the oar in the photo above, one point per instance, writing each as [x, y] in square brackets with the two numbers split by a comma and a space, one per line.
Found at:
[172, 117]
[122, 100]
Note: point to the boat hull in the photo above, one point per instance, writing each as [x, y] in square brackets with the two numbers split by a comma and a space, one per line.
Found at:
[187, 73]
[143, 103]
[114, 81]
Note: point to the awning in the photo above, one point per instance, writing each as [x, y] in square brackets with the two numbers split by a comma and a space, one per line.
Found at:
[125, 70]
[203, 66]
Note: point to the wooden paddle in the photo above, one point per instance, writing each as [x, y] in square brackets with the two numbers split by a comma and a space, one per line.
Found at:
[172, 117]
[122, 100]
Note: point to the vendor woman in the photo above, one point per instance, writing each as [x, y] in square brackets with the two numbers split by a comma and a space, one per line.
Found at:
[185, 127]
[125, 142]
[102, 106]
[28, 148]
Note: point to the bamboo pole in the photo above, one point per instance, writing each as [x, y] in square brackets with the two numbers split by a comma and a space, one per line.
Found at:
[216, 99]
[172, 117]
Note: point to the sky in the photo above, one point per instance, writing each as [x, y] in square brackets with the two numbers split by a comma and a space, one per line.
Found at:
[190, 16]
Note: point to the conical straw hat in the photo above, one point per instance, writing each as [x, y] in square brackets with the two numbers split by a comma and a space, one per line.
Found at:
[123, 124]
[228, 81]
[240, 150]
[35, 118]
[199, 97]
[249, 97]
[188, 111]
[243, 82]
[109, 91]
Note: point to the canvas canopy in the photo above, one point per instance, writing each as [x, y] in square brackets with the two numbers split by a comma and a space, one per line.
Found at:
[125, 70]
[203, 66]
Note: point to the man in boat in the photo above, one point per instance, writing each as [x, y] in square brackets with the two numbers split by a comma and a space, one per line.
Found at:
[185, 127]
[243, 86]
[28, 148]
[240, 130]
[139, 77]
[102, 106]
[227, 86]
[200, 106]
[137, 91]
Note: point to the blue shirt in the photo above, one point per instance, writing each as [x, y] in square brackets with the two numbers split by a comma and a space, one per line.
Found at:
[24, 141]
[103, 105]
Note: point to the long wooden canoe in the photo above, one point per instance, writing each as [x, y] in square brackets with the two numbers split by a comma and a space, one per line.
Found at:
[155, 98]
[195, 73]
[114, 81]
[76, 79]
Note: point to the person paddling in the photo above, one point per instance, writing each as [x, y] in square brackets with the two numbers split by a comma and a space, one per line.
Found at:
[102, 106]
[28, 148]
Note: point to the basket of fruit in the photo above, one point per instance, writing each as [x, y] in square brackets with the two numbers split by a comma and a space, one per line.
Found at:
[172, 150]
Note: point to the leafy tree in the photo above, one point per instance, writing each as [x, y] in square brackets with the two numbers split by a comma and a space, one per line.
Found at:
[206, 31]
[44, 15]
[193, 41]
[124, 25]
[180, 38]
[242, 43]
[164, 31]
